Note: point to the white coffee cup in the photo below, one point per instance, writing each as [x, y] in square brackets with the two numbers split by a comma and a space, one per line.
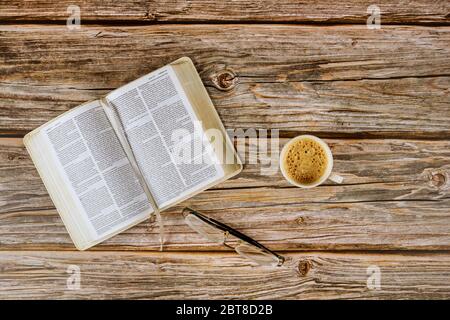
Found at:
[328, 170]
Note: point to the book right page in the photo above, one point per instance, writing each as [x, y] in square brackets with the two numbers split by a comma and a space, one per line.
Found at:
[203, 107]
[159, 122]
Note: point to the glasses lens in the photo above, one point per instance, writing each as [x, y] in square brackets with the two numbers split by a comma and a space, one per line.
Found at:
[257, 255]
[209, 232]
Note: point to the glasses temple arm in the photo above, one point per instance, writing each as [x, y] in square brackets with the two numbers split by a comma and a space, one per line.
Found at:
[232, 231]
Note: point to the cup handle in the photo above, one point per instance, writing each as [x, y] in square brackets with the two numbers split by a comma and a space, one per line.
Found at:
[336, 178]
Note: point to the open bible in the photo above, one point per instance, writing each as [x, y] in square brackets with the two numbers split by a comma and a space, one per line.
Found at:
[111, 163]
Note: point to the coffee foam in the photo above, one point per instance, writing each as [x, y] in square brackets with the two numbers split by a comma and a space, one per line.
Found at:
[305, 161]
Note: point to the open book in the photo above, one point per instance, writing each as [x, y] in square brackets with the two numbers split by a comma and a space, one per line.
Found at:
[111, 163]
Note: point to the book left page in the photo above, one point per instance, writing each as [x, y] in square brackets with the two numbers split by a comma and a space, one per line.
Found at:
[80, 153]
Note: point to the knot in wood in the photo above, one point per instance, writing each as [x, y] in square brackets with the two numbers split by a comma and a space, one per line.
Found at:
[225, 80]
[300, 220]
[438, 179]
[303, 267]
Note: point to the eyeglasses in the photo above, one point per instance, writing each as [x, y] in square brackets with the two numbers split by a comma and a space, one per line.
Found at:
[218, 232]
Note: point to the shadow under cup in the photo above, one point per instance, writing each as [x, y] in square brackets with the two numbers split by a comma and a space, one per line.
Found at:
[329, 166]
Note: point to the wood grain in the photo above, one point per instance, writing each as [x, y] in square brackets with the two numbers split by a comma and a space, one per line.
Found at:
[348, 11]
[416, 165]
[284, 226]
[316, 275]
[336, 81]
[381, 96]
[395, 196]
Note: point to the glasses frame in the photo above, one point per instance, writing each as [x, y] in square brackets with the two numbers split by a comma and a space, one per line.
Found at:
[227, 230]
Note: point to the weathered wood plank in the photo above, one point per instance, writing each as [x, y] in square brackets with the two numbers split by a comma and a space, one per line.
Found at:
[344, 80]
[388, 225]
[395, 196]
[317, 275]
[349, 11]
[421, 166]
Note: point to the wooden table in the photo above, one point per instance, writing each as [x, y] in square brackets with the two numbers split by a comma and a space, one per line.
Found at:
[379, 97]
